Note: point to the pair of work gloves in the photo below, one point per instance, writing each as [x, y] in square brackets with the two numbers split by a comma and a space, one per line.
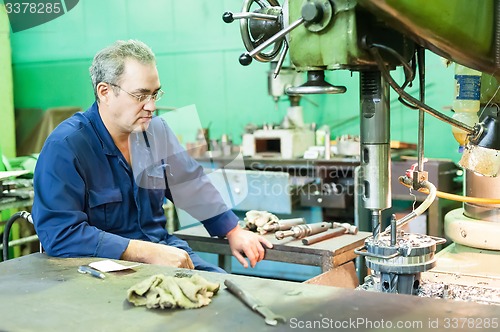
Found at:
[166, 292]
[255, 220]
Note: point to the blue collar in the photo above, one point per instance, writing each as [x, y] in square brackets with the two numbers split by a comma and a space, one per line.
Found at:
[108, 145]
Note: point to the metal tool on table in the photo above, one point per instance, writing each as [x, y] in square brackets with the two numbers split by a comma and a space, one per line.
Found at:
[338, 229]
[301, 231]
[283, 224]
[270, 317]
[85, 269]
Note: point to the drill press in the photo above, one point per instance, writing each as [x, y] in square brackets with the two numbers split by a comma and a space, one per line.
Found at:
[354, 35]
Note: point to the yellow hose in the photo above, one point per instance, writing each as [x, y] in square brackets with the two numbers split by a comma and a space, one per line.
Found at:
[458, 198]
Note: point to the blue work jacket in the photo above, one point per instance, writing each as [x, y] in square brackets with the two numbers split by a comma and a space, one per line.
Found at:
[88, 202]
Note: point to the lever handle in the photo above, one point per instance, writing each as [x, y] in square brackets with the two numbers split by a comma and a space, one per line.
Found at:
[229, 17]
[246, 58]
[312, 12]
[281, 60]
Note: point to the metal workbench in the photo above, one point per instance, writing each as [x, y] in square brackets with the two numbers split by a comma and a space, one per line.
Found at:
[39, 293]
[327, 254]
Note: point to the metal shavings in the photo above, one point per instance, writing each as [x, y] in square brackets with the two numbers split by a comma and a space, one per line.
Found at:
[459, 292]
[455, 292]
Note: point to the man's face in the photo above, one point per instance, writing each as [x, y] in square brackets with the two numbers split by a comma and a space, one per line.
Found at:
[124, 112]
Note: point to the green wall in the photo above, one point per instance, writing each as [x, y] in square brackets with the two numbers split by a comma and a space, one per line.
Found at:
[198, 64]
[7, 124]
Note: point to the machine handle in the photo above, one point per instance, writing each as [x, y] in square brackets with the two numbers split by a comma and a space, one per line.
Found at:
[246, 58]
[229, 17]
[359, 251]
[270, 14]
[281, 60]
[314, 90]
[311, 12]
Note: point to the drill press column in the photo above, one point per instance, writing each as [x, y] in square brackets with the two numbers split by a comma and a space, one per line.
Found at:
[375, 146]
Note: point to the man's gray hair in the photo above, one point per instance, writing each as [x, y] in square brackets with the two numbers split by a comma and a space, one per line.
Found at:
[109, 64]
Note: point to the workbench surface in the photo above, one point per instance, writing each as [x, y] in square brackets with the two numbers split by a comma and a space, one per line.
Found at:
[39, 293]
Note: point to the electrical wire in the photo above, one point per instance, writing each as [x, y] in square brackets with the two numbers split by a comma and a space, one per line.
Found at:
[458, 198]
[420, 209]
[409, 98]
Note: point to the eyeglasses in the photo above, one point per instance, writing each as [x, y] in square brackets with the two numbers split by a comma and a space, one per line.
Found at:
[143, 98]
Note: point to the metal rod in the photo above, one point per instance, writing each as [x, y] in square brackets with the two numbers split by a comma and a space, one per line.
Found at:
[376, 223]
[281, 60]
[21, 241]
[323, 236]
[283, 224]
[393, 230]
[256, 16]
[421, 113]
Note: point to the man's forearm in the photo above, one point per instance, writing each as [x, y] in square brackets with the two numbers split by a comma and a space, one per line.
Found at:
[155, 253]
[136, 252]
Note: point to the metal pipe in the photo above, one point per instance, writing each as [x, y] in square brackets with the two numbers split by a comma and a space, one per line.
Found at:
[302, 231]
[338, 229]
[21, 241]
[6, 231]
[323, 236]
[283, 224]
[375, 146]
[421, 113]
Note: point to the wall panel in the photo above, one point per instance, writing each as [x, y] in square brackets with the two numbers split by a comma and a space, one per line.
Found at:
[198, 64]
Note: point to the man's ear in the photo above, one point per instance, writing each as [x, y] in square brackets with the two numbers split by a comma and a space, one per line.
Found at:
[103, 91]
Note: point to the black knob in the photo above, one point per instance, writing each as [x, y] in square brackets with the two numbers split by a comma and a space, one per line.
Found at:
[228, 17]
[245, 59]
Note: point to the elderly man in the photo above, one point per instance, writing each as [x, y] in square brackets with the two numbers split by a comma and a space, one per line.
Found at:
[88, 201]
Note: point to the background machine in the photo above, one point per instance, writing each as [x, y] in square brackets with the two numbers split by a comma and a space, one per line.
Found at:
[373, 37]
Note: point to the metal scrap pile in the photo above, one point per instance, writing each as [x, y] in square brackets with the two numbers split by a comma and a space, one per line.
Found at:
[459, 292]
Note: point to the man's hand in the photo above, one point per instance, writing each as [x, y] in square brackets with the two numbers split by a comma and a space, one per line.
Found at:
[242, 241]
[155, 253]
